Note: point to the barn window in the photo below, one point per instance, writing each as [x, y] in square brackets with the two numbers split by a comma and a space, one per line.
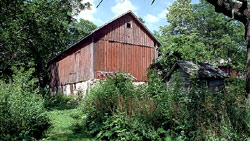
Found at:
[129, 25]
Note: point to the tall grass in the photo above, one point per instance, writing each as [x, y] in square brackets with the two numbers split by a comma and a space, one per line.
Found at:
[117, 110]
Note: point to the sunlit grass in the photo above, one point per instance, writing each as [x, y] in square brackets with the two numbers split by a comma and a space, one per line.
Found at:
[62, 122]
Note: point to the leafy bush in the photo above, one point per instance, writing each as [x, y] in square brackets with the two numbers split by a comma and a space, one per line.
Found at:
[203, 114]
[22, 115]
[60, 101]
[117, 110]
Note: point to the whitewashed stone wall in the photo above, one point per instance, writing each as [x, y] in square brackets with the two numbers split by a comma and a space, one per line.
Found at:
[138, 83]
[80, 88]
[83, 87]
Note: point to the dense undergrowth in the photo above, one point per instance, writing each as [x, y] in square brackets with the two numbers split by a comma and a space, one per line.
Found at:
[22, 113]
[117, 110]
[59, 101]
[61, 110]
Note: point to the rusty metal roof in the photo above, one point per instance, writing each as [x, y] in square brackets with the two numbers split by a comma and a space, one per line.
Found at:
[199, 70]
[129, 12]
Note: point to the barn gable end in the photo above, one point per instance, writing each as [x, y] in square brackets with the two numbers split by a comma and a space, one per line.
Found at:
[124, 44]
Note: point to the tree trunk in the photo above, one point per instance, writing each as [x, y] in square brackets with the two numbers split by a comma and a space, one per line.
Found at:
[247, 32]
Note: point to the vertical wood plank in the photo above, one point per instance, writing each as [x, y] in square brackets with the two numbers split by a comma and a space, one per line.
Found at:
[125, 58]
[144, 60]
[141, 64]
[101, 53]
[118, 56]
[105, 55]
[109, 56]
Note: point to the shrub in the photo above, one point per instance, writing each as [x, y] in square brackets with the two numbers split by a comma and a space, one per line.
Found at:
[203, 114]
[117, 110]
[60, 101]
[22, 115]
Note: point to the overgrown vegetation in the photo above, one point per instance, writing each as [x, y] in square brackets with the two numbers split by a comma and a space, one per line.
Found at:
[22, 113]
[61, 110]
[117, 110]
[60, 102]
[197, 33]
[32, 32]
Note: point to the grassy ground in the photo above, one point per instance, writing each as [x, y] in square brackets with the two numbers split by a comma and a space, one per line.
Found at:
[61, 130]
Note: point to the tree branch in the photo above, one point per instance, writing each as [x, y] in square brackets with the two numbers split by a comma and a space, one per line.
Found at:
[241, 10]
[27, 39]
[20, 30]
[99, 4]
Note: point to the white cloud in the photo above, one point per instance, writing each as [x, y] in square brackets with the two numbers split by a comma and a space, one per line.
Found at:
[151, 18]
[167, 2]
[154, 19]
[163, 13]
[88, 14]
[123, 6]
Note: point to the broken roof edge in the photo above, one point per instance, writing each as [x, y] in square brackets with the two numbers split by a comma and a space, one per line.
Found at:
[171, 70]
[99, 28]
[198, 65]
[175, 65]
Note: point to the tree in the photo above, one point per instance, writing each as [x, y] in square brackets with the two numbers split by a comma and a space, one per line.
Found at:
[32, 32]
[240, 11]
[141, 20]
[80, 29]
[196, 33]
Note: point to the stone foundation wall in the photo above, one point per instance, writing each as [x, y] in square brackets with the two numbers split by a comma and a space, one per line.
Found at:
[138, 83]
[81, 87]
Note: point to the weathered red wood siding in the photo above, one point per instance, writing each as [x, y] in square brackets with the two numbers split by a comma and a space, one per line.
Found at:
[75, 65]
[118, 48]
[55, 80]
[112, 48]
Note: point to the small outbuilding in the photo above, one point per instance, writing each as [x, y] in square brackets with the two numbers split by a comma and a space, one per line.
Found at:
[186, 71]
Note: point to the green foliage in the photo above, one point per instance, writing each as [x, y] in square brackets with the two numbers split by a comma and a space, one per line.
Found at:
[196, 33]
[81, 29]
[34, 31]
[117, 110]
[59, 101]
[61, 126]
[204, 114]
[22, 114]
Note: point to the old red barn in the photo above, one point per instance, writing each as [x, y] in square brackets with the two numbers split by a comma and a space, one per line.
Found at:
[124, 44]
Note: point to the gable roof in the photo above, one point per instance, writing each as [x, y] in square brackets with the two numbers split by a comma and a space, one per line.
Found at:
[129, 12]
[200, 70]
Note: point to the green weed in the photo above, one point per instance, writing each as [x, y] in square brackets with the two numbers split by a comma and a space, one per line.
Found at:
[117, 110]
[22, 114]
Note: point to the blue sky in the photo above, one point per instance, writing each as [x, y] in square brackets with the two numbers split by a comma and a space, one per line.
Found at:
[153, 15]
